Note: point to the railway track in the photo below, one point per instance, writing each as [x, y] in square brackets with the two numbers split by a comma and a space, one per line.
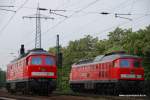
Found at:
[4, 98]
[70, 96]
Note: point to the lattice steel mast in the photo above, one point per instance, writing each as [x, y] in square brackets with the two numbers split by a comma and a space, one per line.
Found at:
[38, 29]
[38, 18]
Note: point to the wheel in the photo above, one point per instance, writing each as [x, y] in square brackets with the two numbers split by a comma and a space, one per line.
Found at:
[147, 88]
[116, 90]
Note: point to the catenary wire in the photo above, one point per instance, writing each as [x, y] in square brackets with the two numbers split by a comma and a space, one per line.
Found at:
[11, 18]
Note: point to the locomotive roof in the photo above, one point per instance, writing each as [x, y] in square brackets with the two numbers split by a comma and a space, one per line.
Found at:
[37, 51]
[32, 52]
[83, 61]
[106, 57]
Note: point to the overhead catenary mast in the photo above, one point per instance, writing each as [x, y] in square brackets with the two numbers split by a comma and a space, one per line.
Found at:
[38, 18]
[38, 29]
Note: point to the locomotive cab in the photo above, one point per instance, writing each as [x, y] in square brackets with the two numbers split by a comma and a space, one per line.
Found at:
[42, 66]
[129, 68]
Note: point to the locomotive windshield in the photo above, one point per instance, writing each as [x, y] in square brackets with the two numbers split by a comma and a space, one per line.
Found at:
[136, 64]
[124, 63]
[36, 61]
[49, 61]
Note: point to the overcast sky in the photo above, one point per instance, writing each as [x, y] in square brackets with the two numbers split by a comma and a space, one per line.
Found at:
[83, 19]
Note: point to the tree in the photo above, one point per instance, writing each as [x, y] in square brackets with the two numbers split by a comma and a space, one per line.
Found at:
[84, 48]
[2, 78]
[135, 43]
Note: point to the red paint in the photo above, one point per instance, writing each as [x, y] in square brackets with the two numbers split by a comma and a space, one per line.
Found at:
[22, 68]
[106, 70]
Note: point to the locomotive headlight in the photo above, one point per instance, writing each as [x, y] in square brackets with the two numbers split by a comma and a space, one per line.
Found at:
[139, 76]
[51, 74]
[123, 75]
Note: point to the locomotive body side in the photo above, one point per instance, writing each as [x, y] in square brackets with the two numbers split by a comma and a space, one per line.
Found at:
[112, 74]
[15, 70]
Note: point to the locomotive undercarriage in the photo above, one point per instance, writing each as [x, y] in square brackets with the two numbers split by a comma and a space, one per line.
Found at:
[109, 87]
[147, 87]
[132, 87]
[32, 86]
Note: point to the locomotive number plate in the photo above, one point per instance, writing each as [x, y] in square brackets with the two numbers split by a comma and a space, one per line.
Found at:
[42, 73]
[128, 76]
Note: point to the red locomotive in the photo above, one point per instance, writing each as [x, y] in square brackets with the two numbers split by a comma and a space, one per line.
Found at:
[113, 73]
[33, 72]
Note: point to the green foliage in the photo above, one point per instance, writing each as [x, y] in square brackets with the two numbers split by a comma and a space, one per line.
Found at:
[52, 50]
[80, 49]
[2, 78]
[135, 43]
[63, 79]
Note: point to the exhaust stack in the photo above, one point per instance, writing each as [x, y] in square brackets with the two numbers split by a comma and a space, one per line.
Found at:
[22, 50]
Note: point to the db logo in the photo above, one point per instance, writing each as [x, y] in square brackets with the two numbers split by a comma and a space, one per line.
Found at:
[42, 69]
